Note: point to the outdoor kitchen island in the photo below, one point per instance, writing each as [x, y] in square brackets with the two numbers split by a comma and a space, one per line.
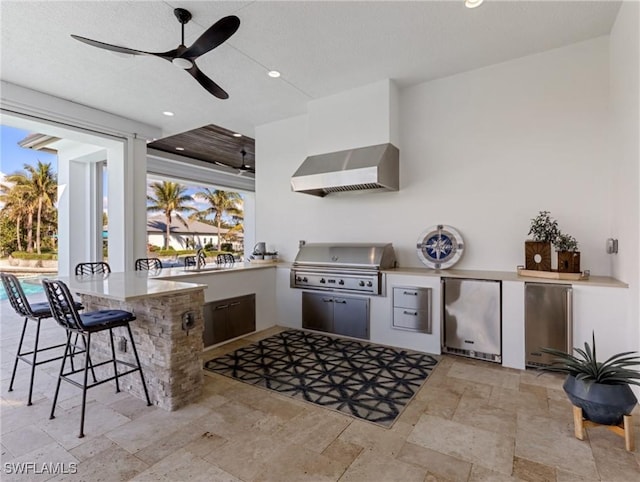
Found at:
[167, 332]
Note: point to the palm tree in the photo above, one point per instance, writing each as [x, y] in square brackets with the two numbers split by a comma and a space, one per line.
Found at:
[220, 203]
[21, 195]
[169, 198]
[43, 186]
[15, 208]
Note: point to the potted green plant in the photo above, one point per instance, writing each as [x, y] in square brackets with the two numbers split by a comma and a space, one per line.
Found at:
[568, 254]
[601, 389]
[537, 251]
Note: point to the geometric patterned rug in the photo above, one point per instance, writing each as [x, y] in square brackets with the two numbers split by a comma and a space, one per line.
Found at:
[367, 381]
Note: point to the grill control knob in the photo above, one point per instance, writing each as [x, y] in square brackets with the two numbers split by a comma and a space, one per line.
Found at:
[304, 280]
[341, 282]
[360, 283]
[322, 280]
[369, 284]
[298, 278]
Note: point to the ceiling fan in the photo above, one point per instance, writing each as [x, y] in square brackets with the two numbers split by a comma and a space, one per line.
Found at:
[182, 56]
[242, 168]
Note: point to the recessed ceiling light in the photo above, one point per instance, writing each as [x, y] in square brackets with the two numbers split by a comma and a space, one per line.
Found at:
[237, 134]
[274, 73]
[472, 3]
[179, 148]
[168, 113]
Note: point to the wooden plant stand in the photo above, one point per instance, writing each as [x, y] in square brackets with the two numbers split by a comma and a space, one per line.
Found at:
[625, 429]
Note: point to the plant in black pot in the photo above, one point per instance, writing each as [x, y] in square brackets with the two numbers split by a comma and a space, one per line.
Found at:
[537, 251]
[600, 389]
[568, 254]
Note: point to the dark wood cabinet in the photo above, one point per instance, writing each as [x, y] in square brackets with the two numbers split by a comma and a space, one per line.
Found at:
[342, 315]
[229, 318]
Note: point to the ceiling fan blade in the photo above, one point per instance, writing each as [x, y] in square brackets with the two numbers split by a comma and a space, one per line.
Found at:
[170, 55]
[113, 48]
[218, 33]
[207, 83]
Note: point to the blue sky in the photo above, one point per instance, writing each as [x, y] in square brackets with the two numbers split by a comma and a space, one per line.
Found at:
[13, 157]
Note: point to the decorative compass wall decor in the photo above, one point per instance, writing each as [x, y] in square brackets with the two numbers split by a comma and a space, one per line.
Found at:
[440, 247]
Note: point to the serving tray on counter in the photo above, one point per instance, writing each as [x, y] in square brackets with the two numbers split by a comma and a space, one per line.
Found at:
[263, 261]
[584, 275]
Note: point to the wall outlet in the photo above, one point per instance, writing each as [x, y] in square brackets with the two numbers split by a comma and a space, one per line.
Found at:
[612, 246]
[188, 320]
[122, 344]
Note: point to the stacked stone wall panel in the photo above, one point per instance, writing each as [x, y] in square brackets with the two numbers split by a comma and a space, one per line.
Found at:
[170, 356]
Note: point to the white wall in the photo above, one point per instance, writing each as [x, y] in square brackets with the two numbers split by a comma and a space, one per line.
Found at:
[482, 151]
[625, 154]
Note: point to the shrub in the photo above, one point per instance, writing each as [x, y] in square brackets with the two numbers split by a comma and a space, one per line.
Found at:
[25, 255]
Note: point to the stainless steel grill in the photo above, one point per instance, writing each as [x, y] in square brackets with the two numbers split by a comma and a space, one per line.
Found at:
[345, 267]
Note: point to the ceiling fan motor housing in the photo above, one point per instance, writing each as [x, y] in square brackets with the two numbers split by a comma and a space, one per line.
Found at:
[182, 15]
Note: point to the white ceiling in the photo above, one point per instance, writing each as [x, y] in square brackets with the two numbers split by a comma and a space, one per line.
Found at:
[321, 48]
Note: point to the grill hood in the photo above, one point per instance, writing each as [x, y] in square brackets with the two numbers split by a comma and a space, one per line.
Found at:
[364, 168]
[346, 255]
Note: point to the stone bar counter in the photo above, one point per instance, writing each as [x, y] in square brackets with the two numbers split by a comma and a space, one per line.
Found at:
[167, 332]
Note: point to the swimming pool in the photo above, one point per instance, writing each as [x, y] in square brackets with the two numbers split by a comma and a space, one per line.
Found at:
[31, 286]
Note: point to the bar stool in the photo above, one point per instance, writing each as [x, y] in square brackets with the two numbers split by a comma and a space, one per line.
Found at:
[192, 260]
[34, 312]
[147, 264]
[225, 258]
[94, 267]
[85, 325]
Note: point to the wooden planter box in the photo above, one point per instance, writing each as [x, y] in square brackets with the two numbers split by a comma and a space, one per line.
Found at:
[537, 255]
[569, 261]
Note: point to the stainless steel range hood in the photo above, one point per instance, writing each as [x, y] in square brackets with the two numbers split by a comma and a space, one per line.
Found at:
[364, 168]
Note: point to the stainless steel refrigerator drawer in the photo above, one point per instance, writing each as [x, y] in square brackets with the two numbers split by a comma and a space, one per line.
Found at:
[415, 298]
[548, 321]
[472, 318]
[414, 320]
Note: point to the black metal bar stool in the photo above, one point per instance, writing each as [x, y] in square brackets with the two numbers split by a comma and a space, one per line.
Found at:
[147, 264]
[94, 267]
[225, 258]
[192, 260]
[85, 325]
[34, 312]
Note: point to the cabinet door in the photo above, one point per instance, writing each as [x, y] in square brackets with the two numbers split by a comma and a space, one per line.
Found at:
[242, 315]
[351, 317]
[208, 336]
[317, 311]
[220, 321]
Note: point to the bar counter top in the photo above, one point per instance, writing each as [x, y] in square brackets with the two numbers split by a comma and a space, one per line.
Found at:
[127, 286]
[603, 281]
[135, 285]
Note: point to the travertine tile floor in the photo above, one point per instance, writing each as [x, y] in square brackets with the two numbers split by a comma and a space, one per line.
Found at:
[471, 421]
